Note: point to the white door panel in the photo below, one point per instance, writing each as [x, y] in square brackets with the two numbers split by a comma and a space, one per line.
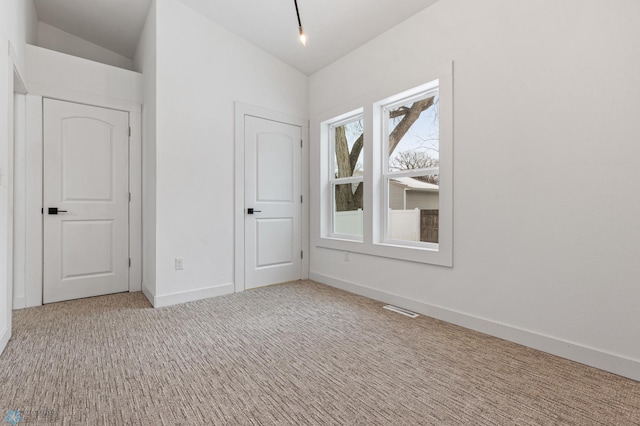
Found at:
[86, 162]
[272, 189]
[274, 156]
[269, 231]
[82, 157]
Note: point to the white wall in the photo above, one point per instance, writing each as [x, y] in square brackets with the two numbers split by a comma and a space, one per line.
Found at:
[17, 19]
[545, 122]
[145, 63]
[5, 96]
[202, 69]
[22, 27]
[56, 73]
[53, 38]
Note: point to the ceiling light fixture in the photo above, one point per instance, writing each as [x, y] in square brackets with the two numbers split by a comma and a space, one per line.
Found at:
[303, 37]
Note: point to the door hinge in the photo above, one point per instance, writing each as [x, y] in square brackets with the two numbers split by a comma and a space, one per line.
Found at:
[129, 197]
[129, 262]
[300, 143]
[301, 254]
[42, 210]
[301, 199]
[129, 131]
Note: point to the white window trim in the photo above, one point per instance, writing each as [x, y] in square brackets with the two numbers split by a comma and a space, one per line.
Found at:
[420, 92]
[329, 137]
[374, 202]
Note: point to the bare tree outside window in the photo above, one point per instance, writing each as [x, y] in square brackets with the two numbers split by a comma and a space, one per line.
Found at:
[411, 160]
[348, 161]
[349, 140]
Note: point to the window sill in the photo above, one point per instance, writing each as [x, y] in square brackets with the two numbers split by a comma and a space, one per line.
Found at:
[427, 255]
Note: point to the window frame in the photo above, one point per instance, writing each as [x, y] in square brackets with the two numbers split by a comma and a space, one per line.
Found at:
[373, 242]
[419, 93]
[333, 180]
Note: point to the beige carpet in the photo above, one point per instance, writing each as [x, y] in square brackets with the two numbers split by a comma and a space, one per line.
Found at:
[290, 354]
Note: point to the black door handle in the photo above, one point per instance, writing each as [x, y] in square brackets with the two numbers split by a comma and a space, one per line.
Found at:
[252, 211]
[54, 210]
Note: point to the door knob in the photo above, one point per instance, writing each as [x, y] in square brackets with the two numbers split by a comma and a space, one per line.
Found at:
[252, 211]
[54, 210]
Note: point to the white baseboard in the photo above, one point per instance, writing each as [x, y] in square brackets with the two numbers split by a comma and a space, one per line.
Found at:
[148, 293]
[19, 303]
[4, 339]
[575, 352]
[163, 300]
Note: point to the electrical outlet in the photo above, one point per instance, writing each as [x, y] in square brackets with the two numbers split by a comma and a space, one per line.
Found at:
[179, 263]
[346, 256]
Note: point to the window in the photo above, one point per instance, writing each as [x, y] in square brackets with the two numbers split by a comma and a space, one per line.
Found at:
[411, 159]
[347, 177]
[386, 175]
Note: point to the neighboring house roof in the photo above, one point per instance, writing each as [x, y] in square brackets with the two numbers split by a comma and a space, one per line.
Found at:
[415, 184]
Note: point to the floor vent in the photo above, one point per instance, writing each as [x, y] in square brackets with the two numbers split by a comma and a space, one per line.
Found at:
[401, 311]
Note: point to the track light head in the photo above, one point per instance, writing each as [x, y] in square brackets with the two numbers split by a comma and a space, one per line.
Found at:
[303, 36]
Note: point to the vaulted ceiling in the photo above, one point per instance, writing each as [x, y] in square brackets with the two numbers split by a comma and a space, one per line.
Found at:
[334, 27]
[113, 24]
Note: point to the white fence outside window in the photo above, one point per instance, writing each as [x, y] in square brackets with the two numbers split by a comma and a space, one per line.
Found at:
[404, 225]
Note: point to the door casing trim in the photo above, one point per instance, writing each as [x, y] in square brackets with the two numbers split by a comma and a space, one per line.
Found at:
[242, 110]
[34, 179]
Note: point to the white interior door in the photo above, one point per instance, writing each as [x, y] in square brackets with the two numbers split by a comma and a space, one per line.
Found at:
[272, 202]
[86, 163]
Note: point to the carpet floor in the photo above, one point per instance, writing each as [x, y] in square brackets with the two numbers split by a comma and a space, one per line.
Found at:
[291, 354]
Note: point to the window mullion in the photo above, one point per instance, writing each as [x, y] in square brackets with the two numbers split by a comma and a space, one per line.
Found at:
[352, 179]
[414, 172]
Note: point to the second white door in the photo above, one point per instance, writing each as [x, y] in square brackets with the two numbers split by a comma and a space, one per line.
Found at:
[86, 199]
[272, 202]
